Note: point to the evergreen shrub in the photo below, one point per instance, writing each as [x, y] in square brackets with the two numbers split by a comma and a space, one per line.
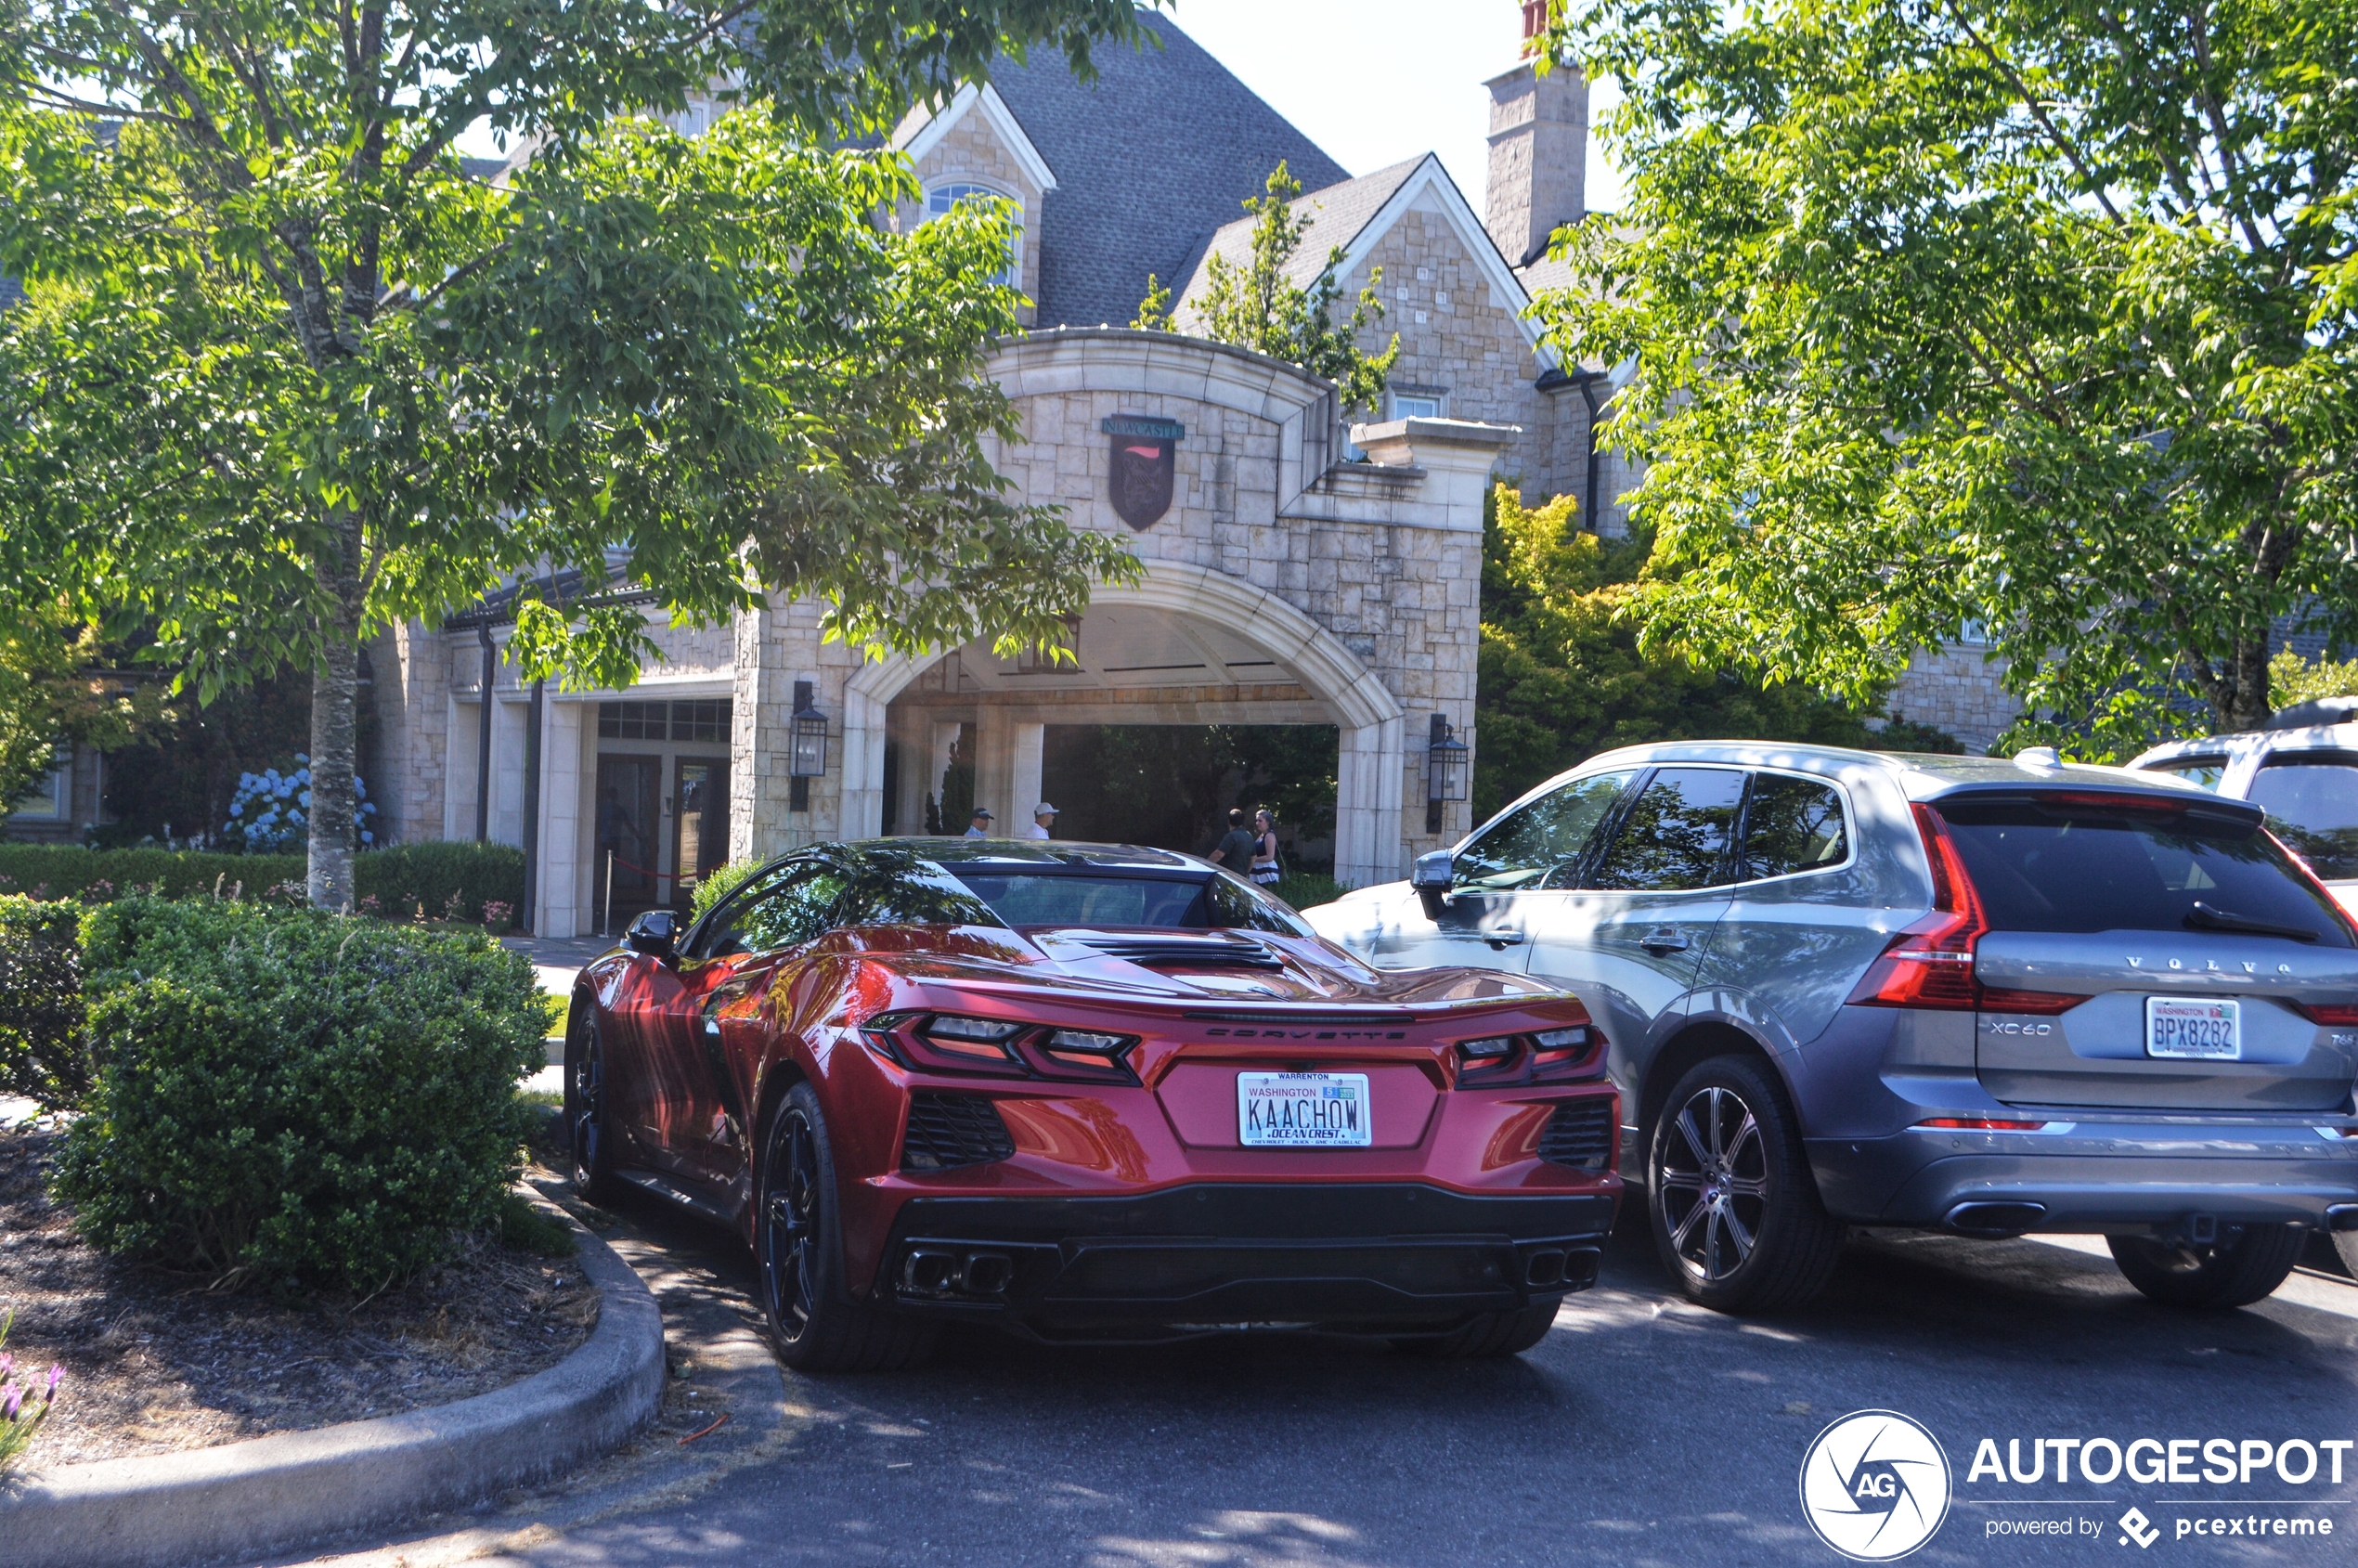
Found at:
[41, 1054]
[402, 879]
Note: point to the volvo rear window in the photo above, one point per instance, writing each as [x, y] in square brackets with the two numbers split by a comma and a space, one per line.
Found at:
[2082, 868]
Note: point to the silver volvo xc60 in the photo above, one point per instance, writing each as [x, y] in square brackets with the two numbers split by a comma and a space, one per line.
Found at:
[1961, 994]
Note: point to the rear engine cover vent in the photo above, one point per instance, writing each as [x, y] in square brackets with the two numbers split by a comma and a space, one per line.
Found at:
[1199, 952]
[948, 1130]
[1580, 1135]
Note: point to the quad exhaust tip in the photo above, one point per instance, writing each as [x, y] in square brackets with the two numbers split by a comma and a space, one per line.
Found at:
[1543, 1267]
[1994, 1222]
[937, 1271]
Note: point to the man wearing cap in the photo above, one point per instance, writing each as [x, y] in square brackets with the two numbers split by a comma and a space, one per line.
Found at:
[981, 826]
[1044, 819]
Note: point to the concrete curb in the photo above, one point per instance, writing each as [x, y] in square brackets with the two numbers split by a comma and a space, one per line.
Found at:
[270, 1494]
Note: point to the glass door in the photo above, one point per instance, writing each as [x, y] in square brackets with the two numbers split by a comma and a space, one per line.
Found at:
[701, 824]
[630, 809]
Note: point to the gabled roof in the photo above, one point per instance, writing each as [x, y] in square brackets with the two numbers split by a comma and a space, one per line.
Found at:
[1354, 214]
[1149, 159]
[919, 135]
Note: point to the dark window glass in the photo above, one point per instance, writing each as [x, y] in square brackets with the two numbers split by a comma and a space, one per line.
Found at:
[892, 888]
[1541, 844]
[2204, 770]
[1675, 835]
[1025, 899]
[1236, 903]
[1793, 825]
[631, 721]
[2081, 868]
[704, 719]
[2312, 805]
[782, 912]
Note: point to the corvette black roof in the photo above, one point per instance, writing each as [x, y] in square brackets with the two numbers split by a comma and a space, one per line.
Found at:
[1049, 857]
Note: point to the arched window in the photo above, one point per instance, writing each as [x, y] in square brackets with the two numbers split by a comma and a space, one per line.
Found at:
[940, 199]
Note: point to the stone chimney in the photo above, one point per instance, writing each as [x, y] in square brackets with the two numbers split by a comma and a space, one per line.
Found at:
[1538, 149]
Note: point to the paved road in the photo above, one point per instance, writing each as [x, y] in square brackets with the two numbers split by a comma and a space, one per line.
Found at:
[1641, 1432]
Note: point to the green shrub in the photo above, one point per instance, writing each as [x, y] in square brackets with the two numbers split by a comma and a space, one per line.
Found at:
[1301, 889]
[65, 871]
[41, 1054]
[450, 879]
[401, 880]
[290, 1098]
[716, 882]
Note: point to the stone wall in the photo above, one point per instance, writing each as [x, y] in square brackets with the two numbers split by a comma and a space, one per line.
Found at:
[1958, 691]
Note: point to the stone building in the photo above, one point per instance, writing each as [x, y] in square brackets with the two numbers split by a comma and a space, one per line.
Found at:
[1301, 567]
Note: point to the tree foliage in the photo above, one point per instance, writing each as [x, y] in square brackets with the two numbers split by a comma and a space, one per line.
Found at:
[53, 690]
[2035, 315]
[1561, 675]
[291, 370]
[1261, 307]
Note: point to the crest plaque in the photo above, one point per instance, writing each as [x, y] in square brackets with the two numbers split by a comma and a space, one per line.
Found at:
[1144, 472]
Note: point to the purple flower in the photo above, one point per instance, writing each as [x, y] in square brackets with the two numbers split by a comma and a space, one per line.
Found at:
[56, 1376]
[11, 1400]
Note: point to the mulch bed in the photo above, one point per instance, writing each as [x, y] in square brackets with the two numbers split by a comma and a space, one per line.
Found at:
[155, 1361]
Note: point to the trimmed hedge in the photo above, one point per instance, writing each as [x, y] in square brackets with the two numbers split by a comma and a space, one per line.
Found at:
[401, 879]
[41, 1054]
[291, 1099]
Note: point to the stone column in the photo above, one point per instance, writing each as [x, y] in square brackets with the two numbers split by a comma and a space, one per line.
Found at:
[1030, 745]
[994, 769]
[1368, 796]
[558, 903]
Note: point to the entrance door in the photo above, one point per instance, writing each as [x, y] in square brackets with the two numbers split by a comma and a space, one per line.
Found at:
[630, 810]
[702, 823]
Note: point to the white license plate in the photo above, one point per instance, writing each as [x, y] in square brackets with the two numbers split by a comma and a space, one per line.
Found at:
[2194, 1028]
[1302, 1109]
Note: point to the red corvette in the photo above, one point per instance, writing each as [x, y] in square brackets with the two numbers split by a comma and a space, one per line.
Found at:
[1090, 1094]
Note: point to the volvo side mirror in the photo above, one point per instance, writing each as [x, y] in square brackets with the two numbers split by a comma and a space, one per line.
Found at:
[1432, 877]
[655, 933]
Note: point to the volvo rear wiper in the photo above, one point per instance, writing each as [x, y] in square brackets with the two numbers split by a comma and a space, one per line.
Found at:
[2203, 917]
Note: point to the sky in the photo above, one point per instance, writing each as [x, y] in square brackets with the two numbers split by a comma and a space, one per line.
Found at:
[1374, 82]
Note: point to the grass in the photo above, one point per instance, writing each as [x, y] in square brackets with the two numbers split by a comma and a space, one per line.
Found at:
[1302, 889]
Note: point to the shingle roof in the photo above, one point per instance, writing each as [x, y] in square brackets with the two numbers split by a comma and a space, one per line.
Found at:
[1149, 159]
[1337, 216]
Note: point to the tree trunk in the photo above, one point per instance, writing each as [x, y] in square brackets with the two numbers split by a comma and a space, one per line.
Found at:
[2245, 689]
[335, 732]
[335, 687]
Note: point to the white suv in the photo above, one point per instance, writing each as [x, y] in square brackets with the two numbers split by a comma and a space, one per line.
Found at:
[2303, 771]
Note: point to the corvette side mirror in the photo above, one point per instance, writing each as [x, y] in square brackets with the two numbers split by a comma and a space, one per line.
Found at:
[1431, 877]
[655, 933]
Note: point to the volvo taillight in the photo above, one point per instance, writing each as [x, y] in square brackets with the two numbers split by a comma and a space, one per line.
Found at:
[1930, 963]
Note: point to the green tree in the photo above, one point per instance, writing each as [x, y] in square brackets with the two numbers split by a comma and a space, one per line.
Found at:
[1561, 675]
[53, 690]
[2034, 314]
[1259, 306]
[289, 370]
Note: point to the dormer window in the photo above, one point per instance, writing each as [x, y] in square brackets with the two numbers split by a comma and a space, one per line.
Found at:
[940, 199]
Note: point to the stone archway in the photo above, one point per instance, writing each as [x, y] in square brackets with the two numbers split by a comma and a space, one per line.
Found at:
[1372, 723]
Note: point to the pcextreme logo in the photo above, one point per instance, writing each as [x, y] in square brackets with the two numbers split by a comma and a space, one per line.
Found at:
[1876, 1486]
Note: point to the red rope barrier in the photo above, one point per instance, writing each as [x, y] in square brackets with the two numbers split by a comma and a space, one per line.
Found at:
[666, 875]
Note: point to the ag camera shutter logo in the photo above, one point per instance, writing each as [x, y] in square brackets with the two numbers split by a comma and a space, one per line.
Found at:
[1876, 1486]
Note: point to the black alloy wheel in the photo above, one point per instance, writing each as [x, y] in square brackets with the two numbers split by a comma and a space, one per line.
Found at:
[2244, 1265]
[589, 1132]
[798, 1245]
[1735, 1211]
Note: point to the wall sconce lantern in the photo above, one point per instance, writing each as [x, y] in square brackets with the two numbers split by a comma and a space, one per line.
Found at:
[1448, 764]
[806, 747]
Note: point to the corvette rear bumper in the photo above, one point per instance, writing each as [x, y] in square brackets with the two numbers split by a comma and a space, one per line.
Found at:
[1388, 1257]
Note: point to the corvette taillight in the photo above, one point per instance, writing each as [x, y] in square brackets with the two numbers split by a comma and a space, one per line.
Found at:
[956, 1042]
[1543, 1056]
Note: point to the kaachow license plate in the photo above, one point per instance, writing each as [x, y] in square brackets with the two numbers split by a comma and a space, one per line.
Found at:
[1303, 1110]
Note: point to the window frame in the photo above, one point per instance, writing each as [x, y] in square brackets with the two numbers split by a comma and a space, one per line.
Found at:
[1607, 825]
[1440, 401]
[1849, 827]
[1620, 816]
[969, 185]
